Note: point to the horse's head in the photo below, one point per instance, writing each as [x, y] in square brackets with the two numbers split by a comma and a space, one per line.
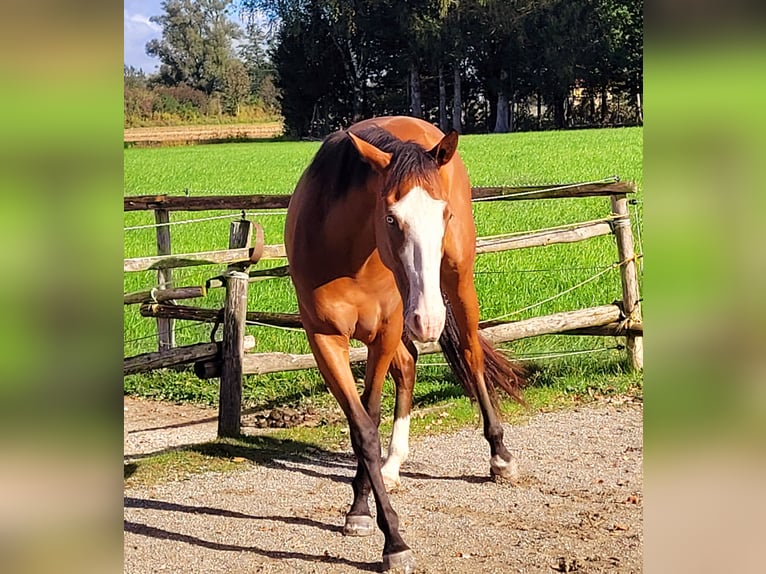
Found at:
[410, 221]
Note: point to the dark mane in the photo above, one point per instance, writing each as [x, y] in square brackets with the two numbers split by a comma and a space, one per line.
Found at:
[337, 167]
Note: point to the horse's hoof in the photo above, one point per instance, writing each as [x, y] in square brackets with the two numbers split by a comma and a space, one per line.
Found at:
[391, 483]
[400, 562]
[504, 471]
[358, 525]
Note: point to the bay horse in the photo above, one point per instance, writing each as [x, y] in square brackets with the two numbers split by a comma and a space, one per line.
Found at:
[380, 240]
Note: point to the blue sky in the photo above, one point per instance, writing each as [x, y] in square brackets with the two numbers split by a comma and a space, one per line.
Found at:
[137, 31]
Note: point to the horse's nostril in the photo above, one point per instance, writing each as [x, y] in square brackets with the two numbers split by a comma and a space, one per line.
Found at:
[424, 328]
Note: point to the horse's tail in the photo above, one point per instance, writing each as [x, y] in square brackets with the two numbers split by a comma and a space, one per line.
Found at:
[499, 371]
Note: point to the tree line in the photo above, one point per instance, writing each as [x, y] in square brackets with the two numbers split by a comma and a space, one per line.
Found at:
[475, 65]
[211, 69]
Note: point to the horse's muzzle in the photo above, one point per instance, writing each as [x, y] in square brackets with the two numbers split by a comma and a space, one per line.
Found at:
[425, 327]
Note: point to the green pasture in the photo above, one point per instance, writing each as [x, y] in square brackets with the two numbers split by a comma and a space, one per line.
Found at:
[507, 282]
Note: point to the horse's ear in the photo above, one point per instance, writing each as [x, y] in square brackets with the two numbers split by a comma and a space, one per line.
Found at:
[377, 158]
[445, 149]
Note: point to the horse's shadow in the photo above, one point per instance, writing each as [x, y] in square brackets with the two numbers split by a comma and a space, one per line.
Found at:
[469, 478]
[162, 534]
[283, 454]
[130, 502]
[295, 456]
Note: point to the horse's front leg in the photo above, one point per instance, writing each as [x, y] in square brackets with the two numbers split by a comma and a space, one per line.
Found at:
[460, 291]
[359, 518]
[331, 353]
[403, 372]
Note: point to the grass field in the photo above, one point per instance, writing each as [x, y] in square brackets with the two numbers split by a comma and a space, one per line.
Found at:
[506, 282]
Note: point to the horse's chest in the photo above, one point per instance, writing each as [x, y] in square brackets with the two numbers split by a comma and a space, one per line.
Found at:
[359, 311]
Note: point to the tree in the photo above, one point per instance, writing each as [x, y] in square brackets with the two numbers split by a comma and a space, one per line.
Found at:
[338, 61]
[134, 78]
[621, 30]
[253, 52]
[236, 86]
[315, 94]
[196, 43]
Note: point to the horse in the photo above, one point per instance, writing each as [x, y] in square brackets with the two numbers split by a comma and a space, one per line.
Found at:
[380, 240]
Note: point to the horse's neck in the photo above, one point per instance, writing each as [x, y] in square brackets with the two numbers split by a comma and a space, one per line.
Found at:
[348, 224]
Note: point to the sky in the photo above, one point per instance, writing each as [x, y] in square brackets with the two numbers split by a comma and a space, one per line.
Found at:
[138, 30]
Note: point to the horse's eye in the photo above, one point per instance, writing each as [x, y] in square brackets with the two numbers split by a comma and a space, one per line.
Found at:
[390, 219]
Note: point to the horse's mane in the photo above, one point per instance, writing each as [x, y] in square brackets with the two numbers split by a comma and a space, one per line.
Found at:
[338, 168]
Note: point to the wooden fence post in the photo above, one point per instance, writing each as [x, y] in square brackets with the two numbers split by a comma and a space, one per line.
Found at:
[232, 346]
[630, 296]
[165, 332]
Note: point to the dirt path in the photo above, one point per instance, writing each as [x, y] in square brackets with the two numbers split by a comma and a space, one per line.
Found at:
[193, 134]
[578, 507]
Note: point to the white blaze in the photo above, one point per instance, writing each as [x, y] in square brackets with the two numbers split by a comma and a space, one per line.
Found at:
[422, 217]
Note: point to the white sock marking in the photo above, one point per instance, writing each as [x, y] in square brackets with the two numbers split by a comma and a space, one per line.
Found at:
[398, 451]
[508, 469]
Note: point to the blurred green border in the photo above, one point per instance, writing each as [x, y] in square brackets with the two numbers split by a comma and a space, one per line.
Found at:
[61, 236]
[61, 153]
[705, 270]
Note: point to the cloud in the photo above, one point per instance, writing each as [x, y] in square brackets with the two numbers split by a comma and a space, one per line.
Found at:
[138, 30]
[140, 23]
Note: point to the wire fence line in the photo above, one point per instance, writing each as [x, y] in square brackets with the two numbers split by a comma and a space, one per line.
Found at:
[561, 293]
[564, 227]
[240, 215]
[541, 355]
[549, 270]
[610, 179]
[634, 204]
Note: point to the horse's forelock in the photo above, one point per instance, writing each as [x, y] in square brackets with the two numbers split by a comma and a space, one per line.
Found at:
[337, 166]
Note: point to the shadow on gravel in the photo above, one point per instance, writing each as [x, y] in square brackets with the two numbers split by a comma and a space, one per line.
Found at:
[129, 469]
[293, 456]
[176, 425]
[263, 449]
[470, 479]
[258, 449]
[130, 502]
[159, 533]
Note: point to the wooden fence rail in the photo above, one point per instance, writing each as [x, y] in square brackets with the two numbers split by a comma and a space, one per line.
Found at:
[230, 361]
[576, 232]
[262, 363]
[254, 201]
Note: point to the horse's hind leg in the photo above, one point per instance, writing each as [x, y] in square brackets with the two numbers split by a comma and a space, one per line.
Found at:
[331, 353]
[403, 372]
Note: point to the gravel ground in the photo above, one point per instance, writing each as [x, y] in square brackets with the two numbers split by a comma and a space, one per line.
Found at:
[577, 508]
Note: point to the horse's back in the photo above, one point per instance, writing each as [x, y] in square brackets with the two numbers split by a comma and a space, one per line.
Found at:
[405, 128]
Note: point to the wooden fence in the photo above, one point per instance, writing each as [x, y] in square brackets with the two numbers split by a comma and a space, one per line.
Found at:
[228, 358]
